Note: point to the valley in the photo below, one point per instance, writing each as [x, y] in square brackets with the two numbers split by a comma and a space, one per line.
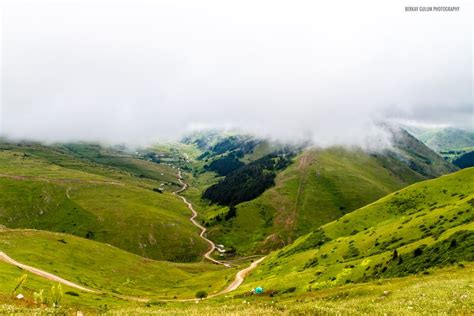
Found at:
[236, 158]
[133, 231]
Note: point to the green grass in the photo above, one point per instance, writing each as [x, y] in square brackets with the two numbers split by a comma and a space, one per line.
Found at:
[88, 159]
[346, 266]
[108, 269]
[319, 187]
[447, 291]
[86, 302]
[91, 200]
[444, 291]
[263, 148]
[359, 246]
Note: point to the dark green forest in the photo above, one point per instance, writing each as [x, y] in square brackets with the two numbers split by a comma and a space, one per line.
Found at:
[249, 181]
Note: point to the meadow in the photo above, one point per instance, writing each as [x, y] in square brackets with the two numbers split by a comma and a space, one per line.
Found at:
[97, 202]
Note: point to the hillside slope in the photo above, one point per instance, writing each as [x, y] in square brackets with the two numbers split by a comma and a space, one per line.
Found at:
[43, 188]
[426, 225]
[444, 139]
[105, 268]
[455, 145]
[320, 186]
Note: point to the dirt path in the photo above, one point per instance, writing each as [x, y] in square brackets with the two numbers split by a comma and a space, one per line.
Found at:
[239, 277]
[58, 180]
[207, 255]
[41, 273]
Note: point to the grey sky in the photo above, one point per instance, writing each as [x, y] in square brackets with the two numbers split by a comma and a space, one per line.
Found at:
[138, 71]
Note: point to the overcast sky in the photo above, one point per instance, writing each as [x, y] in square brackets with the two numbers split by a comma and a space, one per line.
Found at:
[138, 71]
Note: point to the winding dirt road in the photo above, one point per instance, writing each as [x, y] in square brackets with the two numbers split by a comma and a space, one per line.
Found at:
[41, 273]
[207, 255]
[239, 277]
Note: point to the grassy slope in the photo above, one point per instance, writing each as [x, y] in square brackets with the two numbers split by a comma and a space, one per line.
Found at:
[445, 291]
[447, 139]
[321, 186]
[360, 245]
[416, 155]
[451, 143]
[448, 290]
[44, 189]
[85, 301]
[95, 160]
[102, 267]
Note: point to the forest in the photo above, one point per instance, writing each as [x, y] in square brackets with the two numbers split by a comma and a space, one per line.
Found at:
[249, 181]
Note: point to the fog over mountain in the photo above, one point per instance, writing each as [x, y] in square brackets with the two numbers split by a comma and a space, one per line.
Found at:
[140, 71]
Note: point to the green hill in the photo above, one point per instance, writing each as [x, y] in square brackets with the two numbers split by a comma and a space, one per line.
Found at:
[427, 225]
[111, 271]
[444, 139]
[46, 187]
[379, 258]
[416, 155]
[320, 186]
[455, 145]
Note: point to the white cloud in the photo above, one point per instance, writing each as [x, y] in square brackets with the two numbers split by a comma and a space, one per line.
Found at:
[137, 71]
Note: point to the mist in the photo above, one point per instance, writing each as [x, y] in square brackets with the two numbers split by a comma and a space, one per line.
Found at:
[138, 72]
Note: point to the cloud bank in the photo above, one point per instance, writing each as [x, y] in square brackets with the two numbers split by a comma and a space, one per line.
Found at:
[141, 71]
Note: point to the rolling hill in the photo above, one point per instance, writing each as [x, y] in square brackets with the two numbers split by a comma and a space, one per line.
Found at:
[424, 226]
[47, 188]
[319, 186]
[108, 269]
[444, 139]
[407, 253]
[455, 145]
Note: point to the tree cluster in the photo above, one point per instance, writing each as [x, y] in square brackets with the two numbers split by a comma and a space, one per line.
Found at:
[247, 182]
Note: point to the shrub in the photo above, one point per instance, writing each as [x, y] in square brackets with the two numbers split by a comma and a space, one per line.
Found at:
[38, 297]
[417, 252]
[352, 252]
[201, 294]
[289, 290]
[56, 295]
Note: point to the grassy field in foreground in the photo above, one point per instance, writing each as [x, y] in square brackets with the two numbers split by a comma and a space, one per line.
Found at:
[96, 202]
[445, 291]
[105, 268]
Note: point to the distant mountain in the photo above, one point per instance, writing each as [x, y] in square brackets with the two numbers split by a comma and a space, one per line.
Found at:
[455, 145]
[444, 139]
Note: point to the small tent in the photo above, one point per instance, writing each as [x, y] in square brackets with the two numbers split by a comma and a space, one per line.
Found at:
[259, 290]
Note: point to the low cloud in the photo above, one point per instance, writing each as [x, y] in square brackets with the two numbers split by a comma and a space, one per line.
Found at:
[138, 72]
